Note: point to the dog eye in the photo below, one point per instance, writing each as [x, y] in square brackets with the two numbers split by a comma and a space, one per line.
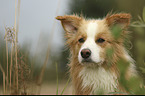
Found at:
[81, 40]
[100, 40]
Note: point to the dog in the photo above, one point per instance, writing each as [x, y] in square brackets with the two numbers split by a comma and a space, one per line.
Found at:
[88, 40]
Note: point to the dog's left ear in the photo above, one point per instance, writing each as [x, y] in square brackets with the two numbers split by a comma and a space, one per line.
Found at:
[122, 19]
[70, 23]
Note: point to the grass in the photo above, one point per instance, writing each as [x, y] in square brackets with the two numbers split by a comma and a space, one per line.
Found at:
[65, 86]
[4, 90]
[11, 65]
[7, 63]
[17, 72]
[14, 79]
[57, 79]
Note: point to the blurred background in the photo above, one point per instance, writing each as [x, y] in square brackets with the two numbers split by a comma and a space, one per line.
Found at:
[41, 42]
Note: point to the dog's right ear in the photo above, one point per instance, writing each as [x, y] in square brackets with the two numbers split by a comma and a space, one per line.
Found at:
[70, 23]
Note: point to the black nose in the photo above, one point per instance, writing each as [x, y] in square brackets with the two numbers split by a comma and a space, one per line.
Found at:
[85, 53]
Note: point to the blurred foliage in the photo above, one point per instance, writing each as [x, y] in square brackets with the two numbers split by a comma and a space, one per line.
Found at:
[93, 8]
[90, 9]
[109, 54]
[31, 63]
[133, 85]
[116, 31]
[136, 42]
[100, 8]
[2, 56]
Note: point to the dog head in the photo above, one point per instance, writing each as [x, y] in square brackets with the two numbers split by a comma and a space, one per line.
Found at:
[88, 39]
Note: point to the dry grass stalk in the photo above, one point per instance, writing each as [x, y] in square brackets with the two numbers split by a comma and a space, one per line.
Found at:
[7, 60]
[9, 36]
[23, 73]
[14, 82]
[11, 65]
[39, 82]
[16, 65]
[4, 88]
[16, 25]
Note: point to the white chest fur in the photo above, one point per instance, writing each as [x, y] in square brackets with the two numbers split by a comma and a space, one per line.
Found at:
[99, 79]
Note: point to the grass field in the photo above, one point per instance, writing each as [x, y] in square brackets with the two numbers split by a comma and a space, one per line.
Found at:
[47, 88]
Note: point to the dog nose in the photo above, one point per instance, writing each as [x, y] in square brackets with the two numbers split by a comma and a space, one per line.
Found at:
[85, 53]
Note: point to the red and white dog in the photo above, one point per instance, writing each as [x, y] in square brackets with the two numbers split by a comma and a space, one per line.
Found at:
[88, 40]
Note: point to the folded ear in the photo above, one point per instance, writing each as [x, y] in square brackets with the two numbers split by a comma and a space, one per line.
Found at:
[70, 23]
[122, 19]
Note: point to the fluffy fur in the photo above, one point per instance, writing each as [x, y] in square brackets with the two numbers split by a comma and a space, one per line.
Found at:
[100, 73]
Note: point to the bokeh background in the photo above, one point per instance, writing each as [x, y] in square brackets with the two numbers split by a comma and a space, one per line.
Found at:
[41, 42]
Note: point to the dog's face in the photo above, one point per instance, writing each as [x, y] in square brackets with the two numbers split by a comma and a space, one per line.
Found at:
[93, 42]
[88, 39]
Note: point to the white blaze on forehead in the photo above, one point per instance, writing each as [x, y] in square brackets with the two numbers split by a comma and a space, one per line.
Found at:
[91, 30]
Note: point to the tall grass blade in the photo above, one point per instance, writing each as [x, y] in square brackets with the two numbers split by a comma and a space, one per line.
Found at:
[16, 24]
[16, 65]
[11, 65]
[7, 80]
[65, 86]
[57, 79]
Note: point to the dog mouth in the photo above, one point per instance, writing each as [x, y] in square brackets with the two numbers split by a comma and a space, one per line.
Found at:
[87, 60]
[91, 63]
